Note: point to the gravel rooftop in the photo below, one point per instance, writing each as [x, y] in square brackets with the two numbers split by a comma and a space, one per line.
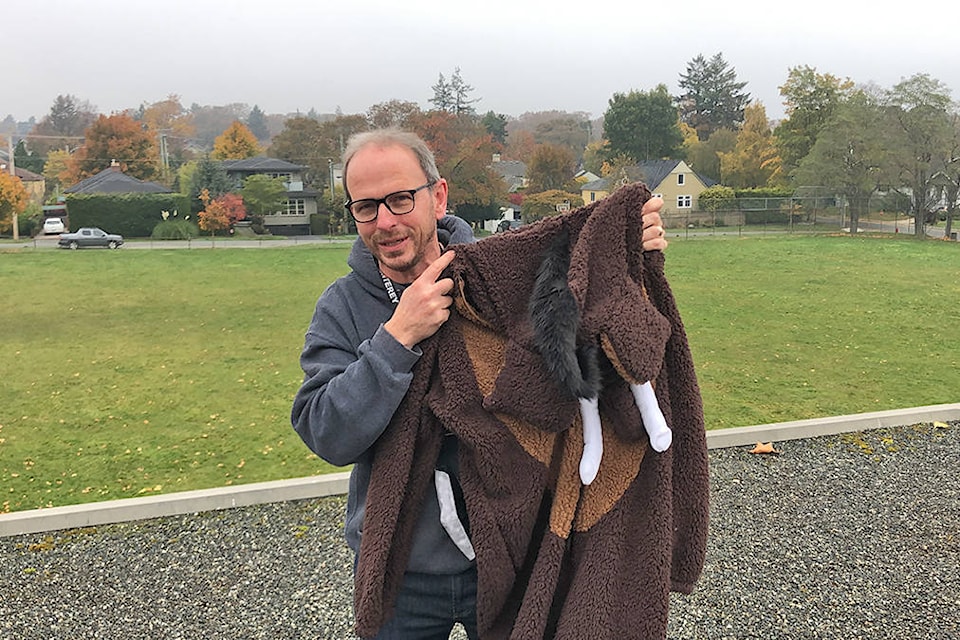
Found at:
[847, 537]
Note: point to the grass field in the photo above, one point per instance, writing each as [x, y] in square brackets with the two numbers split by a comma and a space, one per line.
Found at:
[126, 373]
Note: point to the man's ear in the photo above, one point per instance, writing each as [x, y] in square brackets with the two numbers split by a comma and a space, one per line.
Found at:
[440, 198]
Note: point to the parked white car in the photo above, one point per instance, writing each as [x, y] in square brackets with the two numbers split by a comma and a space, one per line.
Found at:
[54, 225]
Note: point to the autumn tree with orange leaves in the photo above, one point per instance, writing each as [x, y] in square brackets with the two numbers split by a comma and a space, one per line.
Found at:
[13, 199]
[221, 213]
[116, 138]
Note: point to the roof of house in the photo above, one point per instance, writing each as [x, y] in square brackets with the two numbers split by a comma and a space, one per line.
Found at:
[656, 171]
[510, 168]
[260, 164]
[600, 184]
[112, 180]
[27, 176]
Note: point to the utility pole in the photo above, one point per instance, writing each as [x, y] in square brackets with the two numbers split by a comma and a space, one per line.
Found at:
[13, 172]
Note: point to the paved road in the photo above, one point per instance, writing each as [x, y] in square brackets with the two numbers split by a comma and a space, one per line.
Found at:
[50, 242]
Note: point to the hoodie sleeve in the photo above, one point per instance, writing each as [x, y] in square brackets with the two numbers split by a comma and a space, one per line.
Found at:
[351, 386]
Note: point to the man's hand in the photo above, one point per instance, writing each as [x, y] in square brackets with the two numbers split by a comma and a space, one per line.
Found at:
[424, 305]
[653, 234]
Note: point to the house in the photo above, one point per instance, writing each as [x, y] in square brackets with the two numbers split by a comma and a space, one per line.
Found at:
[513, 172]
[34, 183]
[673, 180]
[113, 180]
[301, 203]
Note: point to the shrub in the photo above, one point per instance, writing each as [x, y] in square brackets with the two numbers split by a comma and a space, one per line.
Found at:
[175, 230]
[131, 215]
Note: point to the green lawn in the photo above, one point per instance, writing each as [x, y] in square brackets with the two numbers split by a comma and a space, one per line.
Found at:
[134, 372]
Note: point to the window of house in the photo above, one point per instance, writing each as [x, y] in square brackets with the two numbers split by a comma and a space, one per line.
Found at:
[295, 207]
[684, 202]
[681, 179]
[593, 196]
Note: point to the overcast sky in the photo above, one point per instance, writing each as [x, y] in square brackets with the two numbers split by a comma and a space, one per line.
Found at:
[519, 55]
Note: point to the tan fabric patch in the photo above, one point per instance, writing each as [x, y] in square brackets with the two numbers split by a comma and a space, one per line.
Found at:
[621, 460]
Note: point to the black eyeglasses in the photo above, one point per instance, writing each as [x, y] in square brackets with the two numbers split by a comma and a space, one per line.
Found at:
[398, 202]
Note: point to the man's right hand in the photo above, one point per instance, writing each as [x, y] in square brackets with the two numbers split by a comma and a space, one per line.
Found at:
[424, 305]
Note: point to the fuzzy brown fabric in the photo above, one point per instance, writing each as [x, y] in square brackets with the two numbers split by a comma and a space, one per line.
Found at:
[555, 559]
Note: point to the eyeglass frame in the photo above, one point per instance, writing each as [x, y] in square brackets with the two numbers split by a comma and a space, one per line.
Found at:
[378, 201]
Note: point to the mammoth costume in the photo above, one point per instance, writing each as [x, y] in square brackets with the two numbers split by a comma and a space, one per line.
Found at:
[555, 558]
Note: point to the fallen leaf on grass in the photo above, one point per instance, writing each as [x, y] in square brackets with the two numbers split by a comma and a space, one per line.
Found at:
[764, 447]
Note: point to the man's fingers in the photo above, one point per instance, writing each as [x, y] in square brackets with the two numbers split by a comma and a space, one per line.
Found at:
[436, 267]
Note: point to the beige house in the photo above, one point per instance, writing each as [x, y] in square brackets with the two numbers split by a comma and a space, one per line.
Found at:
[673, 180]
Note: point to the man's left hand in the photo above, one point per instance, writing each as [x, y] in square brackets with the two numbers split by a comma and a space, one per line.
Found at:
[654, 238]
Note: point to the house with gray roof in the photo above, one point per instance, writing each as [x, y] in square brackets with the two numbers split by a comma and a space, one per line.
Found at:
[673, 180]
[301, 202]
[113, 180]
[513, 172]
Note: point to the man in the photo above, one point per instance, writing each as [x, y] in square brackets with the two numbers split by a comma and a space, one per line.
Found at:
[360, 350]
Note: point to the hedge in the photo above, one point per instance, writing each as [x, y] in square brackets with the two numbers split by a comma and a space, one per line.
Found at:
[133, 215]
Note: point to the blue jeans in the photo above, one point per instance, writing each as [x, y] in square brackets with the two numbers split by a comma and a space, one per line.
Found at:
[428, 606]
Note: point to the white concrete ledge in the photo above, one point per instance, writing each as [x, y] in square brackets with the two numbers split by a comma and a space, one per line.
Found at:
[186, 502]
[172, 504]
[798, 429]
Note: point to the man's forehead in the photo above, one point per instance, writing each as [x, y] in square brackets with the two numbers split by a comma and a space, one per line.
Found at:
[377, 162]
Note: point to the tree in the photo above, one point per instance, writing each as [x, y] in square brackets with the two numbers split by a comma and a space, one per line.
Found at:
[847, 155]
[236, 143]
[704, 157]
[263, 195]
[316, 145]
[13, 199]
[393, 113]
[642, 126]
[572, 133]
[221, 213]
[300, 142]
[463, 151]
[520, 145]
[921, 127]
[552, 167]
[64, 126]
[950, 176]
[453, 96]
[810, 99]
[211, 121]
[713, 99]
[116, 138]
[257, 123]
[461, 91]
[442, 99]
[24, 159]
[173, 127]
[548, 203]
[476, 191]
[496, 126]
[754, 162]
[56, 170]
[594, 155]
[204, 176]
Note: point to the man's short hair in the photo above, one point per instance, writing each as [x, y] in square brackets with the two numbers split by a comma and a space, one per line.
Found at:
[391, 137]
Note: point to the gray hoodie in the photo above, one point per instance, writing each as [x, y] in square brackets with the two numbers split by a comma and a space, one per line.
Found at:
[355, 376]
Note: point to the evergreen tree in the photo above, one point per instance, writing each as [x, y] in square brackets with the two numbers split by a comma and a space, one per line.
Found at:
[257, 123]
[442, 98]
[712, 97]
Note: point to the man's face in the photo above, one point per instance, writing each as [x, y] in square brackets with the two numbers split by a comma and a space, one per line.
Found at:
[404, 245]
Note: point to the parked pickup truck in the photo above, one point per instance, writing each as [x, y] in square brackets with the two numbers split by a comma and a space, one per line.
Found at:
[90, 237]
